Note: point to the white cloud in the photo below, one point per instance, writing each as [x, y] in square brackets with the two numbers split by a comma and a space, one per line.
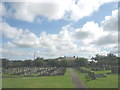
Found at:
[110, 26]
[63, 43]
[58, 44]
[53, 10]
[92, 38]
[83, 50]
[56, 9]
[55, 44]
[14, 53]
[111, 22]
[8, 44]
[3, 50]
[85, 8]
[52, 43]
[27, 40]
[10, 32]
[105, 36]
[2, 10]
[110, 39]
[89, 32]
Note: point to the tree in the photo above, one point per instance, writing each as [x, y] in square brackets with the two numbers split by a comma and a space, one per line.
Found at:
[80, 62]
[17, 63]
[106, 61]
[27, 63]
[111, 56]
[38, 62]
[70, 63]
[53, 63]
[98, 57]
[63, 63]
[5, 63]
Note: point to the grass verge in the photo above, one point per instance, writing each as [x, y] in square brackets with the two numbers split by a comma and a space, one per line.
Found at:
[39, 82]
[111, 81]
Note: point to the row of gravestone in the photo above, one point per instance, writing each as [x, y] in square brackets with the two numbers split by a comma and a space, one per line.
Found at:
[34, 71]
[57, 71]
[114, 70]
[92, 75]
[25, 69]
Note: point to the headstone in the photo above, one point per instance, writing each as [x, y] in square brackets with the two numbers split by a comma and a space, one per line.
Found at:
[91, 75]
[114, 70]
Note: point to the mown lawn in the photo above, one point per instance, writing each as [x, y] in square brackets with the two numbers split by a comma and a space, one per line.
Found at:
[40, 82]
[111, 81]
[102, 72]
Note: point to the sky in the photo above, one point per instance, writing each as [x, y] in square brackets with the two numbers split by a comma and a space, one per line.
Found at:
[57, 28]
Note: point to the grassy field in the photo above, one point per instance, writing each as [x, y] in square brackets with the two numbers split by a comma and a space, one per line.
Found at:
[102, 72]
[39, 82]
[111, 81]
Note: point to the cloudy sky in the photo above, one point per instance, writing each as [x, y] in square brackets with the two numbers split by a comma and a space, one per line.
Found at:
[53, 28]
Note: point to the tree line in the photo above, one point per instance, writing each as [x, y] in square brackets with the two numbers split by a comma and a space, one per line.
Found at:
[40, 62]
[97, 61]
[102, 61]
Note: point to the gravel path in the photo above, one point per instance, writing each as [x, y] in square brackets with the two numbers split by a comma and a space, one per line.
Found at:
[76, 80]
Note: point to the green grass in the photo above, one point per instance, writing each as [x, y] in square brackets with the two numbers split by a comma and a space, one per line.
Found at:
[102, 72]
[88, 69]
[40, 82]
[11, 76]
[111, 81]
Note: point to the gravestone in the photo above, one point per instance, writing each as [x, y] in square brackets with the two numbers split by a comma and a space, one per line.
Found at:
[91, 75]
[115, 70]
[100, 75]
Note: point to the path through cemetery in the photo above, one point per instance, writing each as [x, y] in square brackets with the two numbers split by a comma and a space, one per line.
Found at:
[76, 80]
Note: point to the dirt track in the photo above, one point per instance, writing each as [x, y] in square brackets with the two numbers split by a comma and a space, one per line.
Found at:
[76, 80]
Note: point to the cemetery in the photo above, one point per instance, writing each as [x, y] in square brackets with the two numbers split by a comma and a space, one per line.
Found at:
[99, 78]
[60, 44]
[35, 71]
[100, 74]
[95, 74]
[101, 81]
